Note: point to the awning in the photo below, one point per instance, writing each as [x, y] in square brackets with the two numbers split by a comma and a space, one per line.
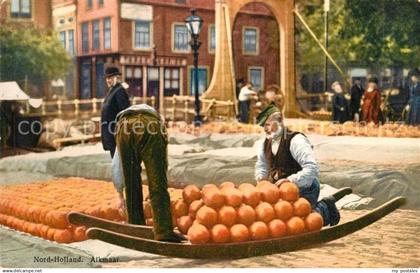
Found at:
[11, 91]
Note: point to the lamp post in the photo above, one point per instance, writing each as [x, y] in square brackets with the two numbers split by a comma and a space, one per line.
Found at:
[194, 24]
[326, 10]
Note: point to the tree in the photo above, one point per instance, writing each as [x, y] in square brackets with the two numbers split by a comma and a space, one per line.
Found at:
[383, 33]
[373, 34]
[31, 53]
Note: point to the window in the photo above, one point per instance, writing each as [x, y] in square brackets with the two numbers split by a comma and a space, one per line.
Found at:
[181, 1]
[100, 80]
[250, 40]
[95, 34]
[70, 48]
[202, 80]
[21, 9]
[134, 79]
[85, 80]
[107, 32]
[100, 3]
[212, 38]
[89, 4]
[180, 38]
[63, 38]
[142, 35]
[85, 37]
[171, 82]
[256, 77]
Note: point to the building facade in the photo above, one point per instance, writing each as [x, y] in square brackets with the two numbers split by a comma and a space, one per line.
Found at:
[64, 21]
[149, 42]
[32, 12]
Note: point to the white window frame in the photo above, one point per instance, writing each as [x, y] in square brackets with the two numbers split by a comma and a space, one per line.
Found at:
[173, 38]
[63, 42]
[20, 14]
[244, 51]
[212, 51]
[96, 22]
[262, 74]
[149, 48]
[87, 49]
[73, 51]
[110, 32]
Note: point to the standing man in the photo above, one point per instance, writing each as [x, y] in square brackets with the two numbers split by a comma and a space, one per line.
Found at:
[414, 101]
[245, 101]
[288, 156]
[340, 106]
[115, 101]
[142, 136]
[356, 93]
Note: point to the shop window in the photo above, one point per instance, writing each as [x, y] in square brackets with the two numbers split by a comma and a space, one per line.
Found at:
[172, 82]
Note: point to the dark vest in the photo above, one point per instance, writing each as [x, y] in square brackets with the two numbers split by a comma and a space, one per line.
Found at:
[282, 164]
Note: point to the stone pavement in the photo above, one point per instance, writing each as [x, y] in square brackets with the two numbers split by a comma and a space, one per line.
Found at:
[391, 242]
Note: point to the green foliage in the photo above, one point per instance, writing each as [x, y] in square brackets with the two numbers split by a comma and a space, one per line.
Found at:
[33, 53]
[373, 34]
[389, 32]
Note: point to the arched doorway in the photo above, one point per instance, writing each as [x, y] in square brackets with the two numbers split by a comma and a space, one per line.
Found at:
[256, 47]
[222, 85]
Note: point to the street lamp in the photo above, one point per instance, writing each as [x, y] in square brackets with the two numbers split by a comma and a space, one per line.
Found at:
[194, 24]
[326, 10]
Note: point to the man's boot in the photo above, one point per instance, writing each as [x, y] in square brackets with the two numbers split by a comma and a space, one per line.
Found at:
[332, 209]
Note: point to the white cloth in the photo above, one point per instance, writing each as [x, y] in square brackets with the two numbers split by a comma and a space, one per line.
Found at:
[302, 152]
[245, 93]
[136, 108]
[117, 172]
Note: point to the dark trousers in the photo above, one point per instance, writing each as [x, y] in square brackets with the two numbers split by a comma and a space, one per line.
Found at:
[244, 108]
[311, 194]
[112, 152]
[150, 146]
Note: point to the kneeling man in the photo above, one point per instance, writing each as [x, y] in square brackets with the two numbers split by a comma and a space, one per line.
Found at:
[288, 156]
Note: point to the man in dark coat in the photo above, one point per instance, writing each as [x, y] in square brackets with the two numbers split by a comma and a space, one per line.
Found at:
[356, 93]
[340, 106]
[414, 101]
[115, 101]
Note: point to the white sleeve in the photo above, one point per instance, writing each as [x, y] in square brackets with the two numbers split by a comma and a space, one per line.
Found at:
[261, 167]
[302, 152]
[248, 92]
[117, 172]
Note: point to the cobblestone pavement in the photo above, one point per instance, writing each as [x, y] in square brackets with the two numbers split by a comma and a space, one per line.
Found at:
[391, 242]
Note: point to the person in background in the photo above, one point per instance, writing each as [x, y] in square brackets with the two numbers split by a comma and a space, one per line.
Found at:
[371, 102]
[413, 106]
[340, 107]
[356, 93]
[275, 95]
[239, 84]
[115, 101]
[245, 101]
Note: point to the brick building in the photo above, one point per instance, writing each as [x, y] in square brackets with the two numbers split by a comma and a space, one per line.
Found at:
[64, 21]
[33, 12]
[148, 40]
